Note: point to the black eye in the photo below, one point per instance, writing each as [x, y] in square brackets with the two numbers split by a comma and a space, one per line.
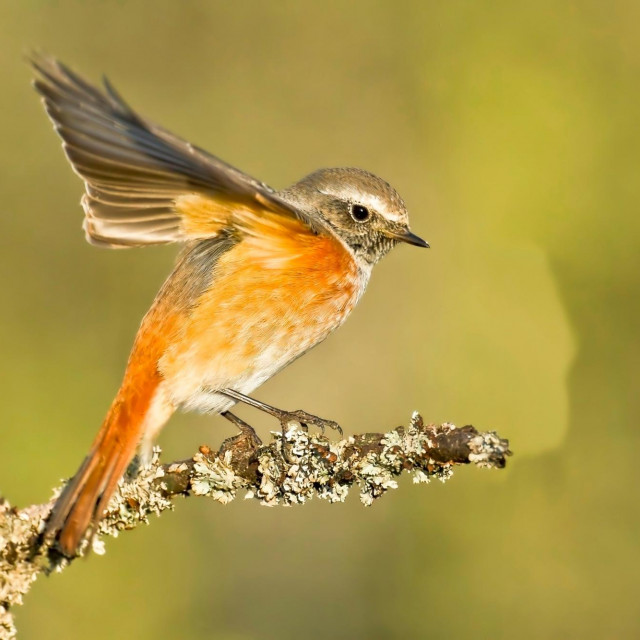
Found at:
[360, 213]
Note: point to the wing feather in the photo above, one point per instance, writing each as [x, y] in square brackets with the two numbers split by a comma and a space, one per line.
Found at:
[137, 174]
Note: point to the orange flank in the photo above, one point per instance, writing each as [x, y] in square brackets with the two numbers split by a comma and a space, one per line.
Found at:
[274, 295]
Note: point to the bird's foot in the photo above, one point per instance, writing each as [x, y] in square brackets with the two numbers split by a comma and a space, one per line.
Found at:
[306, 420]
[247, 432]
[285, 417]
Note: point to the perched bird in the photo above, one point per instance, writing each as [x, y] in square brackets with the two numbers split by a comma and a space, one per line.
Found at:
[263, 276]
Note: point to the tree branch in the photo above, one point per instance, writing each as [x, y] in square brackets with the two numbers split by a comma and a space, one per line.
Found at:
[291, 469]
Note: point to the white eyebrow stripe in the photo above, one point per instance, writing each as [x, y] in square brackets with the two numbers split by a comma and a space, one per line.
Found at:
[379, 204]
[370, 200]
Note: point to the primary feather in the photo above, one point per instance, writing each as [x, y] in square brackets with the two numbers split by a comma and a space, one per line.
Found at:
[135, 172]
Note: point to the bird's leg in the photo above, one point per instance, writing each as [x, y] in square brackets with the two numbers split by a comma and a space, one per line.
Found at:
[304, 418]
[246, 430]
[135, 465]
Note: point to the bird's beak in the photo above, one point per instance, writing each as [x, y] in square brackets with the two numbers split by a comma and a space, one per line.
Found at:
[410, 238]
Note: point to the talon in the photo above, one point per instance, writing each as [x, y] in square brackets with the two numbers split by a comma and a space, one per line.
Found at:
[336, 427]
[302, 417]
[308, 419]
[288, 418]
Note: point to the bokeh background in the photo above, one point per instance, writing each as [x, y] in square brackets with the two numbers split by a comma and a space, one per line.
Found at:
[511, 129]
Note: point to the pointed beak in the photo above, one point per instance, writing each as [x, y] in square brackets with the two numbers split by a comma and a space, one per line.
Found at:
[410, 238]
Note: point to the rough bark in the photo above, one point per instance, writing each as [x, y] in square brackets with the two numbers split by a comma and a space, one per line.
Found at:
[291, 469]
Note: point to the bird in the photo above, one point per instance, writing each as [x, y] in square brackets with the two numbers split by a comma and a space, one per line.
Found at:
[262, 276]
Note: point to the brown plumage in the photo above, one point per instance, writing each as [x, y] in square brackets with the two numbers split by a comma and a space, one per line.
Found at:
[263, 277]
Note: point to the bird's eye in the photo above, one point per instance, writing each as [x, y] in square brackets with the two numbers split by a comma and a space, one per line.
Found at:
[360, 213]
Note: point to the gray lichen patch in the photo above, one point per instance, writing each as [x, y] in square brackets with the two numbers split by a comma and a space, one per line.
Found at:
[136, 500]
[19, 564]
[291, 469]
[488, 450]
[298, 465]
[214, 477]
[402, 449]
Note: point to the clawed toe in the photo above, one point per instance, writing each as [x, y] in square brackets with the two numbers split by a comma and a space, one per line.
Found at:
[285, 417]
[308, 419]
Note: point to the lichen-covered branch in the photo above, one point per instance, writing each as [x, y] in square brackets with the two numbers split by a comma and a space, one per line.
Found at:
[291, 469]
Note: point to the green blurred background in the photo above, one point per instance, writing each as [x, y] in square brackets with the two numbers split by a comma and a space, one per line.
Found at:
[511, 129]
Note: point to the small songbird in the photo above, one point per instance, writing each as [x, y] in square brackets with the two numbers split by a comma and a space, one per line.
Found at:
[263, 276]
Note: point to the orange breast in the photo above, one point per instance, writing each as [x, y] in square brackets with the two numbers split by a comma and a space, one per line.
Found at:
[277, 293]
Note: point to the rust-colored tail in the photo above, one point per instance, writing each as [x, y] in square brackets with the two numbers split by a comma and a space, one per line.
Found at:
[140, 409]
[83, 501]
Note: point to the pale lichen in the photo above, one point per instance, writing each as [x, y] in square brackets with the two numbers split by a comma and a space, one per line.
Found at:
[19, 561]
[291, 469]
[136, 499]
[485, 448]
[214, 477]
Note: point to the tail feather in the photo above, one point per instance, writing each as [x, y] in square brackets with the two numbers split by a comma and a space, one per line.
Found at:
[77, 516]
[62, 510]
[140, 409]
[84, 500]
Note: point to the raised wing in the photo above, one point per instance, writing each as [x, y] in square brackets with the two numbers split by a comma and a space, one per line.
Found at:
[140, 180]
